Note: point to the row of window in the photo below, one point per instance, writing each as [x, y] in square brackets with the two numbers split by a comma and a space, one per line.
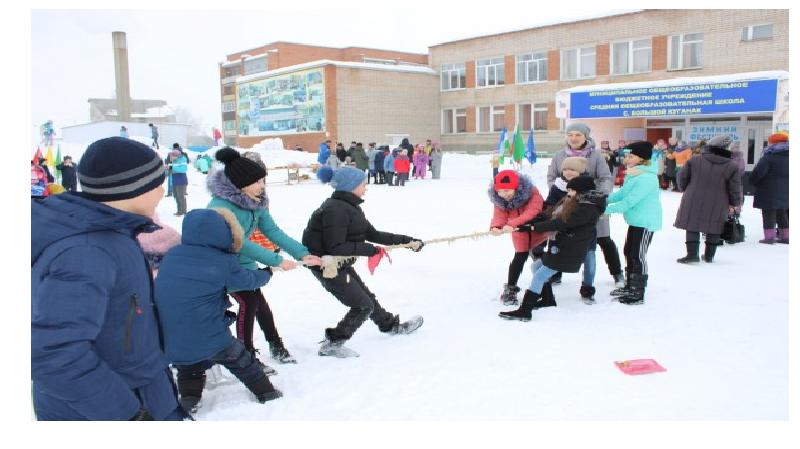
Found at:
[493, 118]
[627, 57]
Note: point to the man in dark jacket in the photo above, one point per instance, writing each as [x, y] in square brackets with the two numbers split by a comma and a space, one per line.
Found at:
[341, 153]
[68, 176]
[95, 342]
[380, 156]
[770, 177]
[50, 178]
[340, 228]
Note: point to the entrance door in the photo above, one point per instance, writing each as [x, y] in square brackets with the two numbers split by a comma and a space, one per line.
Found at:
[653, 134]
[756, 142]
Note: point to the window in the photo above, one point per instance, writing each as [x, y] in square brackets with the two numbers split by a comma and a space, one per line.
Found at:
[454, 76]
[531, 68]
[491, 118]
[230, 89]
[454, 116]
[578, 63]
[490, 72]
[255, 65]
[228, 106]
[686, 51]
[757, 32]
[533, 116]
[229, 124]
[631, 57]
[231, 71]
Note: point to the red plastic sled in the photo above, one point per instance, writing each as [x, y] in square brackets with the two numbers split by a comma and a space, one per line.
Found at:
[639, 366]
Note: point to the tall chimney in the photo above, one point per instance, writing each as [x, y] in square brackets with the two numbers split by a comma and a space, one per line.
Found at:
[121, 76]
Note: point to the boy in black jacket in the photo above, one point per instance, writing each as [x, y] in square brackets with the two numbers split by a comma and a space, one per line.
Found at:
[340, 228]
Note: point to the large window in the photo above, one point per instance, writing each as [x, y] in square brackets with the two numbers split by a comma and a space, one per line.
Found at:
[255, 65]
[231, 71]
[532, 116]
[454, 121]
[757, 32]
[631, 57]
[490, 72]
[686, 51]
[454, 76]
[491, 118]
[578, 63]
[228, 106]
[531, 68]
[229, 124]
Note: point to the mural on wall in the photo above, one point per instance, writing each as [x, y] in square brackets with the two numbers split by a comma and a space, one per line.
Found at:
[282, 104]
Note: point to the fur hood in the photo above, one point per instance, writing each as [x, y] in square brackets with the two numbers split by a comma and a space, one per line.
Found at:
[237, 233]
[221, 187]
[521, 195]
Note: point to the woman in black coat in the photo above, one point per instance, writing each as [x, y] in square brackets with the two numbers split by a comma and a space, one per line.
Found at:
[771, 180]
[340, 228]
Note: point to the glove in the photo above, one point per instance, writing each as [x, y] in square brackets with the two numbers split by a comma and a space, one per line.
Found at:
[141, 415]
[230, 317]
[419, 248]
[525, 227]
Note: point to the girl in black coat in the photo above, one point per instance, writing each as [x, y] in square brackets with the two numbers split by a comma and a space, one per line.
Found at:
[771, 180]
[340, 228]
[574, 222]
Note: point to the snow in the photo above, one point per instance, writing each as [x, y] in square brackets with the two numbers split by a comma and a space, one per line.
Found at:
[720, 330]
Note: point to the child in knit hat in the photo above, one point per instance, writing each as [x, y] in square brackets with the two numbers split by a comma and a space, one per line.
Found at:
[340, 228]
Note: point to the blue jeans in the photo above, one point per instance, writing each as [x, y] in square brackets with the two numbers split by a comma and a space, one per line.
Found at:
[589, 268]
[541, 274]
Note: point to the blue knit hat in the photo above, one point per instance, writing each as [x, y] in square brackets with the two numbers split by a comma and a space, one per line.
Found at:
[116, 168]
[343, 179]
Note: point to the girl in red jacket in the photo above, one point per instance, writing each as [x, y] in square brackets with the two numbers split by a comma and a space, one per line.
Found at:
[516, 201]
[402, 166]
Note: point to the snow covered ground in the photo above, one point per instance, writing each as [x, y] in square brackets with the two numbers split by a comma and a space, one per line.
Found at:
[720, 330]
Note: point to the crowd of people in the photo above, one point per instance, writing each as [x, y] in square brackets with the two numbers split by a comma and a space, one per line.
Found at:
[119, 298]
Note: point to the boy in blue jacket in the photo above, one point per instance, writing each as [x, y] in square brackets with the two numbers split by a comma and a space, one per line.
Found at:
[190, 293]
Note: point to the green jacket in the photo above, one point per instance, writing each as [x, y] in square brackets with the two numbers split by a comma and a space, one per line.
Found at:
[639, 199]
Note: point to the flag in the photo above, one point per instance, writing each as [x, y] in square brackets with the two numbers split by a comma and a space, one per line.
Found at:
[501, 145]
[37, 156]
[58, 162]
[49, 159]
[519, 146]
[530, 149]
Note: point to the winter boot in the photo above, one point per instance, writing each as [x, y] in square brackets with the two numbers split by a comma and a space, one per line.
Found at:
[547, 299]
[708, 254]
[556, 278]
[264, 390]
[769, 237]
[619, 291]
[692, 250]
[637, 286]
[509, 295]
[191, 390]
[587, 294]
[619, 280]
[523, 313]
[405, 327]
[278, 352]
[268, 370]
[335, 348]
[783, 235]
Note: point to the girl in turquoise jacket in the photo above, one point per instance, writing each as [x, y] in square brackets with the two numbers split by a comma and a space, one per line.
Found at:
[639, 202]
[240, 189]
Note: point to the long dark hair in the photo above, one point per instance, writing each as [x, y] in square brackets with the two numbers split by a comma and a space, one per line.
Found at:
[568, 206]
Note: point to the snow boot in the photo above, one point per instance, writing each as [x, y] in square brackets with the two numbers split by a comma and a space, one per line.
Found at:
[623, 289]
[783, 235]
[509, 295]
[556, 278]
[268, 370]
[708, 254]
[335, 348]
[264, 390]
[547, 298]
[635, 296]
[278, 352]
[523, 313]
[191, 390]
[405, 327]
[587, 294]
[619, 280]
[769, 237]
[692, 250]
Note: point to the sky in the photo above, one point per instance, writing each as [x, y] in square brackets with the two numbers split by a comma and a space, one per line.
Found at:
[173, 54]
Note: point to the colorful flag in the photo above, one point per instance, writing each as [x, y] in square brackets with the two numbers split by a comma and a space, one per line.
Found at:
[530, 149]
[501, 145]
[37, 156]
[58, 162]
[49, 159]
[519, 146]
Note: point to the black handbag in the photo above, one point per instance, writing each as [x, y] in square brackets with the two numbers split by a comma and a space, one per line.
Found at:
[733, 231]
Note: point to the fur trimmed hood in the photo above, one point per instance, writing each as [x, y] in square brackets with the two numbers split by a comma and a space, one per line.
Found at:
[214, 228]
[521, 195]
[221, 187]
[237, 233]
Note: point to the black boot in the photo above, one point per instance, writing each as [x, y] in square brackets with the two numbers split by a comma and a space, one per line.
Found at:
[268, 370]
[547, 299]
[191, 390]
[509, 295]
[263, 389]
[556, 278]
[622, 290]
[711, 249]
[638, 283]
[587, 294]
[692, 250]
[524, 311]
[278, 352]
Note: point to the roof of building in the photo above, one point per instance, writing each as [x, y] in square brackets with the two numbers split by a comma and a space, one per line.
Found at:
[323, 62]
[317, 46]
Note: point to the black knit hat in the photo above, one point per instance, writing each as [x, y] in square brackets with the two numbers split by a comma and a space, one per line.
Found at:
[116, 168]
[581, 184]
[240, 170]
[643, 149]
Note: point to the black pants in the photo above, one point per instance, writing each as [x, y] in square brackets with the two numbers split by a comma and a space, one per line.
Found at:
[235, 357]
[711, 239]
[671, 181]
[610, 254]
[516, 266]
[381, 177]
[351, 291]
[772, 216]
[402, 178]
[389, 176]
[180, 197]
[71, 186]
[155, 143]
[252, 306]
[636, 244]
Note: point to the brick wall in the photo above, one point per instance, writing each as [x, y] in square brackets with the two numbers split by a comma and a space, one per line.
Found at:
[602, 55]
[659, 52]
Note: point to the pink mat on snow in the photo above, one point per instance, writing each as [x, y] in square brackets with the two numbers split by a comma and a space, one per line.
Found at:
[639, 366]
